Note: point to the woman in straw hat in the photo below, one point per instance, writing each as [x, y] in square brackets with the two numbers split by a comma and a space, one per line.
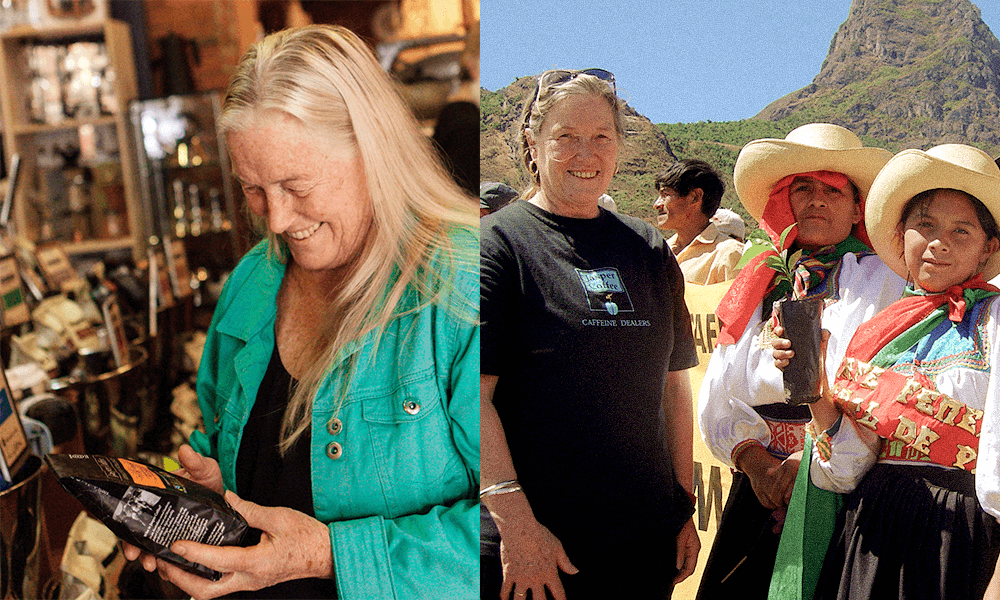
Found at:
[900, 430]
[817, 177]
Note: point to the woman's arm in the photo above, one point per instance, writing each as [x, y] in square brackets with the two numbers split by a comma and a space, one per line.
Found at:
[988, 462]
[679, 415]
[853, 451]
[531, 556]
[739, 377]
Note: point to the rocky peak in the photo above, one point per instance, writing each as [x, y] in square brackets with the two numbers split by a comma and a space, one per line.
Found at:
[917, 72]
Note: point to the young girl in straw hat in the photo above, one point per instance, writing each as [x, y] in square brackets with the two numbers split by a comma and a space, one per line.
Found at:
[899, 433]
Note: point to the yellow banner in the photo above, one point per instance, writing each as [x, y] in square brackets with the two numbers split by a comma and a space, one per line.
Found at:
[712, 479]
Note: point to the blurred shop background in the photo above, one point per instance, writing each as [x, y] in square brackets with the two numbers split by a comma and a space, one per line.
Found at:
[119, 223]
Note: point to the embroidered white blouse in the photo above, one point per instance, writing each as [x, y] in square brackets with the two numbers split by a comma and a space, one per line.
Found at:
[958, 359]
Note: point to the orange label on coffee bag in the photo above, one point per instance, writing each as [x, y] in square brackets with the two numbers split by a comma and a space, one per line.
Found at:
[141, 474]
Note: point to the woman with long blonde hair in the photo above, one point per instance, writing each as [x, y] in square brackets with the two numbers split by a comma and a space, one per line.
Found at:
[338, 379]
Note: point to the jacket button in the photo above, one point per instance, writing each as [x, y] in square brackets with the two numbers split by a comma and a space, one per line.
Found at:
[334, 451]
[335, 426]
[411, 407]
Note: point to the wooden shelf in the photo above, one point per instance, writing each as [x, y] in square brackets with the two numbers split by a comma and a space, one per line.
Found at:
[95, 246]
[67, 125]
[26, 137]
[57, 33]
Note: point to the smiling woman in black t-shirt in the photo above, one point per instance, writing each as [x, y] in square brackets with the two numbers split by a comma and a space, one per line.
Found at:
[586, 408]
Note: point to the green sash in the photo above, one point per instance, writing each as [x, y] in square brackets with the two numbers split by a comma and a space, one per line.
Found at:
[804, 540]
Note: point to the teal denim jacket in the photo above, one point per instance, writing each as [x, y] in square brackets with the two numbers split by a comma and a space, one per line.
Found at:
[395, 475]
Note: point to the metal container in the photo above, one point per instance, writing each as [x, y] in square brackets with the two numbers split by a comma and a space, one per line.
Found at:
[20, 535]
[125, 434]
[126, 389]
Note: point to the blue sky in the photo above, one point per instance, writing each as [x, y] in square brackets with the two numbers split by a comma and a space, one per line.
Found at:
[675, 61]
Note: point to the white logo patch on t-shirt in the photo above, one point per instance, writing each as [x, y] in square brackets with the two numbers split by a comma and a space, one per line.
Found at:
[605, 290]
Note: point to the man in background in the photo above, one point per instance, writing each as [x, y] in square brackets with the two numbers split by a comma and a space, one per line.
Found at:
[689, 192]
[493, 196]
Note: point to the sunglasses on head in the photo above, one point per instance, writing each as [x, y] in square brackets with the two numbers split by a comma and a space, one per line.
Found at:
[556, 77]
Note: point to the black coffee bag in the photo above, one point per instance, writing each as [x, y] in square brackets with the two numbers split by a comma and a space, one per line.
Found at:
[151, 508]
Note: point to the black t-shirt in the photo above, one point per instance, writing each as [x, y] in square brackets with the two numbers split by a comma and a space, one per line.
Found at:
[265, 477]
[581, 321]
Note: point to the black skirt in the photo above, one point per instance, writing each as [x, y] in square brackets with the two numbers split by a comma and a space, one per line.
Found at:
[742, 556]
[746, 544]
[911, 532]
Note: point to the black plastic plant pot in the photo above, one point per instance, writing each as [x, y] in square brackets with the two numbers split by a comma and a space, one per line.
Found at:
[802, 322]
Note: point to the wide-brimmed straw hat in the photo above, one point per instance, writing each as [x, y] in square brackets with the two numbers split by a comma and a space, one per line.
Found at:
[812, 147]
[949, 166]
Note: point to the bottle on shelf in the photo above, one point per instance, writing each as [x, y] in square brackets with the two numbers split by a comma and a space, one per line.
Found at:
[215, 206]
[114, 223]
[197, 223]
[79, 206]
[180, 220]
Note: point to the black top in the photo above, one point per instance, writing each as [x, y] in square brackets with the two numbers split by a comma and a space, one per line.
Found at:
[265, 477]
[581, 320]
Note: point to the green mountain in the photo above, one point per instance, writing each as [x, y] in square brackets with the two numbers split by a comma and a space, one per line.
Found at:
[899, 73]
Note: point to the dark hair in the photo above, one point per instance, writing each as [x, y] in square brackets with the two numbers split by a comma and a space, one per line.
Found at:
[922, 200]
[690, 173]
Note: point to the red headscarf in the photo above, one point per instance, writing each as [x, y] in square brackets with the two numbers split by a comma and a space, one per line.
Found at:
[752, 284]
